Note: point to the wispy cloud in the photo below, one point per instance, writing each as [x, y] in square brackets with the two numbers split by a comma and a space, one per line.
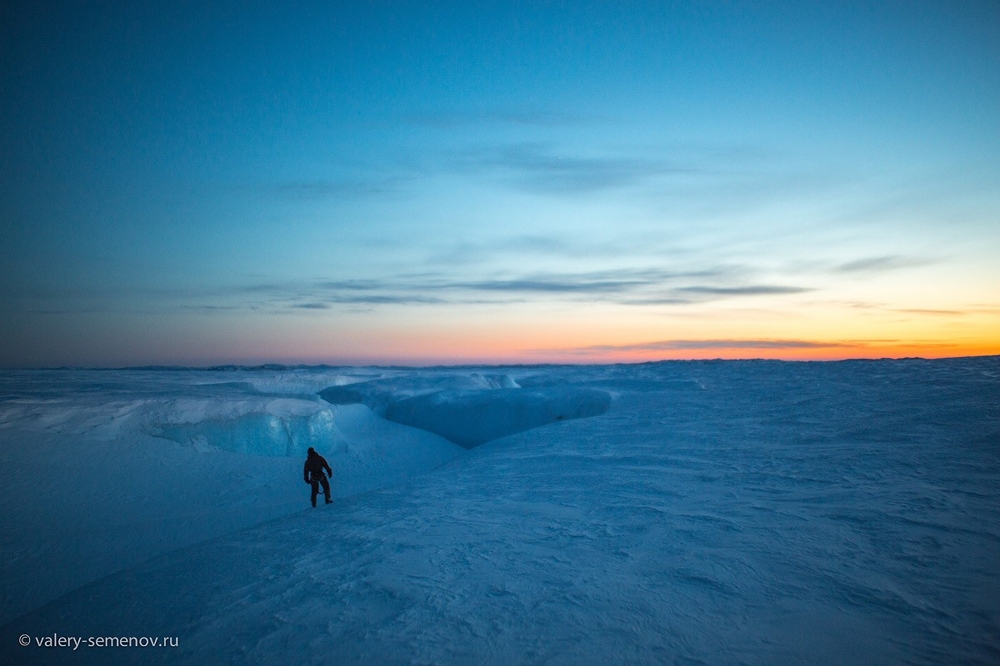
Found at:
[308, 190]
[932, 312]
[311, 306]
[694, 345]
[324, 299]
[536, 119]
[541, 168]
[864, 346]
[555, 285]
[882, 264]
[351, 285]
[212, 308]
[386, 299]
[649, 247]
[745, 290]
[639, 287]
[536, 167]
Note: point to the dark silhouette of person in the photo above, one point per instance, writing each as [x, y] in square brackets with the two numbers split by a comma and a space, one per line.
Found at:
[312, 471]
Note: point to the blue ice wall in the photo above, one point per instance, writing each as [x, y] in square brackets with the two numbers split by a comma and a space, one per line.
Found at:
[258, 434]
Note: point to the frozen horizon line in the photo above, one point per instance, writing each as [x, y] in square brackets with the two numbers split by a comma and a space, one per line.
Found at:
[277, 367]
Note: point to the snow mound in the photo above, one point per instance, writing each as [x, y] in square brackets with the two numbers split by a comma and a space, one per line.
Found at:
[469, 409]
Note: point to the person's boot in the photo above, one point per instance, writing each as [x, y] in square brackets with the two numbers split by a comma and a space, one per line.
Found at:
[329, 501]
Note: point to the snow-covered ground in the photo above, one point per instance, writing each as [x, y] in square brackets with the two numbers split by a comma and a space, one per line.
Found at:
[682, 513]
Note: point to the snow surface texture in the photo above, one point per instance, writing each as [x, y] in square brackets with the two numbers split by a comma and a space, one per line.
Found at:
[716, 513]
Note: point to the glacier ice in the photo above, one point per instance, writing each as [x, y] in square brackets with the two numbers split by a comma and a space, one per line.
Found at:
[262, 432]
[471, 418]
[713, 512]
[470, 409]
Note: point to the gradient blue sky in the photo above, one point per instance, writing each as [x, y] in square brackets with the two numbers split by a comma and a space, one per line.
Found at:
[453, 182]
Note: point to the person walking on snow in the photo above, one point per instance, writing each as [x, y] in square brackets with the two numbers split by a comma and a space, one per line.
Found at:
[313, 473]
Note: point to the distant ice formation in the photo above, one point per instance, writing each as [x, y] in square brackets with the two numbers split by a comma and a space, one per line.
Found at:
[470, 409]
[275, 427]
[471, 418]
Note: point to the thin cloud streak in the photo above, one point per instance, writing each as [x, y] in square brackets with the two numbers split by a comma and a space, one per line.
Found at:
[647, 287]
[539, 119]
[313, 190]
[635, 287]
[749, 290]
[539, 169]
[935, 313]
[882, 264]
[628, 287]
[693, 345]
[745, 345]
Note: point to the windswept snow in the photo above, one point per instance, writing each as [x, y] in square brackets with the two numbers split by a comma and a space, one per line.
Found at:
[716, 513]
